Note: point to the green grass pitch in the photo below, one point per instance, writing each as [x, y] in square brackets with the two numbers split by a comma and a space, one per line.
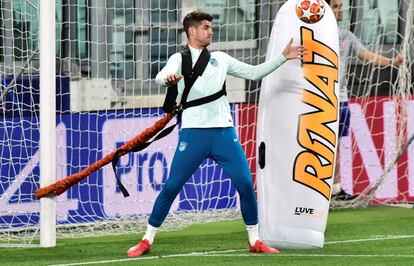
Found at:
[371, 236]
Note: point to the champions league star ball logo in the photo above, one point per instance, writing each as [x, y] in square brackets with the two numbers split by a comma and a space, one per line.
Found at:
[310, 11]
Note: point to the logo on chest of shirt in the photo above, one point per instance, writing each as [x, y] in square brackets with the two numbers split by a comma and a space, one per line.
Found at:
[213, 62]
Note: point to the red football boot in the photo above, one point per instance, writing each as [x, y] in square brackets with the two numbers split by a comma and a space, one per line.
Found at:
[141, 248]
[260, 247]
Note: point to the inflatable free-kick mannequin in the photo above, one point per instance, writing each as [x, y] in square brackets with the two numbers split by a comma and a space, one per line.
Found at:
[297, 132]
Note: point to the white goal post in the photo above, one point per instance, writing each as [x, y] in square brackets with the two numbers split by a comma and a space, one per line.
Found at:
[66, 103]
[47, 107]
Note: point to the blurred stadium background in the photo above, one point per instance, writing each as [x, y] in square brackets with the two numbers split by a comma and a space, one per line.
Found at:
[107, 55]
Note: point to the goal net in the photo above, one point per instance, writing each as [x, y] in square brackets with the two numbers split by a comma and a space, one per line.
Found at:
[107, 55]
[376, 160]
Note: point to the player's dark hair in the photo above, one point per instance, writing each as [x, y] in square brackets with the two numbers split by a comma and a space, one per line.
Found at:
[328, 2]
[194, 19]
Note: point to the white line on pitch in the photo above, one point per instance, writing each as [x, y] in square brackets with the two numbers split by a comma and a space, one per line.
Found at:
[196, 254]
[221, 253]
[369, 239]
[310, 255]
[240, 255]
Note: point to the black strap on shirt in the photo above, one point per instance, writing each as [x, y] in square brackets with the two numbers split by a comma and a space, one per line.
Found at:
[170, 105]
[190, 76]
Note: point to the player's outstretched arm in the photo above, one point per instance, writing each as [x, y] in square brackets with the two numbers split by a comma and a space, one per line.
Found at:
[380, 60]
[246, 71]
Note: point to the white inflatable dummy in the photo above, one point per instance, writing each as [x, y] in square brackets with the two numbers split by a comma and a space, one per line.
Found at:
[297, 133]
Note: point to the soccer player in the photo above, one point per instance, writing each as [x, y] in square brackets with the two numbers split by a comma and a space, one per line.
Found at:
[350, 44]
[207, 130]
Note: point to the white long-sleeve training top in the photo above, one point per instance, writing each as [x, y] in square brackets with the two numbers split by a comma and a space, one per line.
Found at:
[216, 113]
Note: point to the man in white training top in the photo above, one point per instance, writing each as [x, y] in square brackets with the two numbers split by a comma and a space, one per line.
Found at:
[208, 130]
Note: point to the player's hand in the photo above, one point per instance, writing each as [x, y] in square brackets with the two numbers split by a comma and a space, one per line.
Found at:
[294, 52]
[172, 79]
[397, 60]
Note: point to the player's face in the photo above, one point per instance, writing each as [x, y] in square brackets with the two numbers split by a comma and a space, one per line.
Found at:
[336, 6]
[203, 33]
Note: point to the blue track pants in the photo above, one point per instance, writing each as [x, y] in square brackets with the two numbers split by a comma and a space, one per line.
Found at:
[194, 146]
